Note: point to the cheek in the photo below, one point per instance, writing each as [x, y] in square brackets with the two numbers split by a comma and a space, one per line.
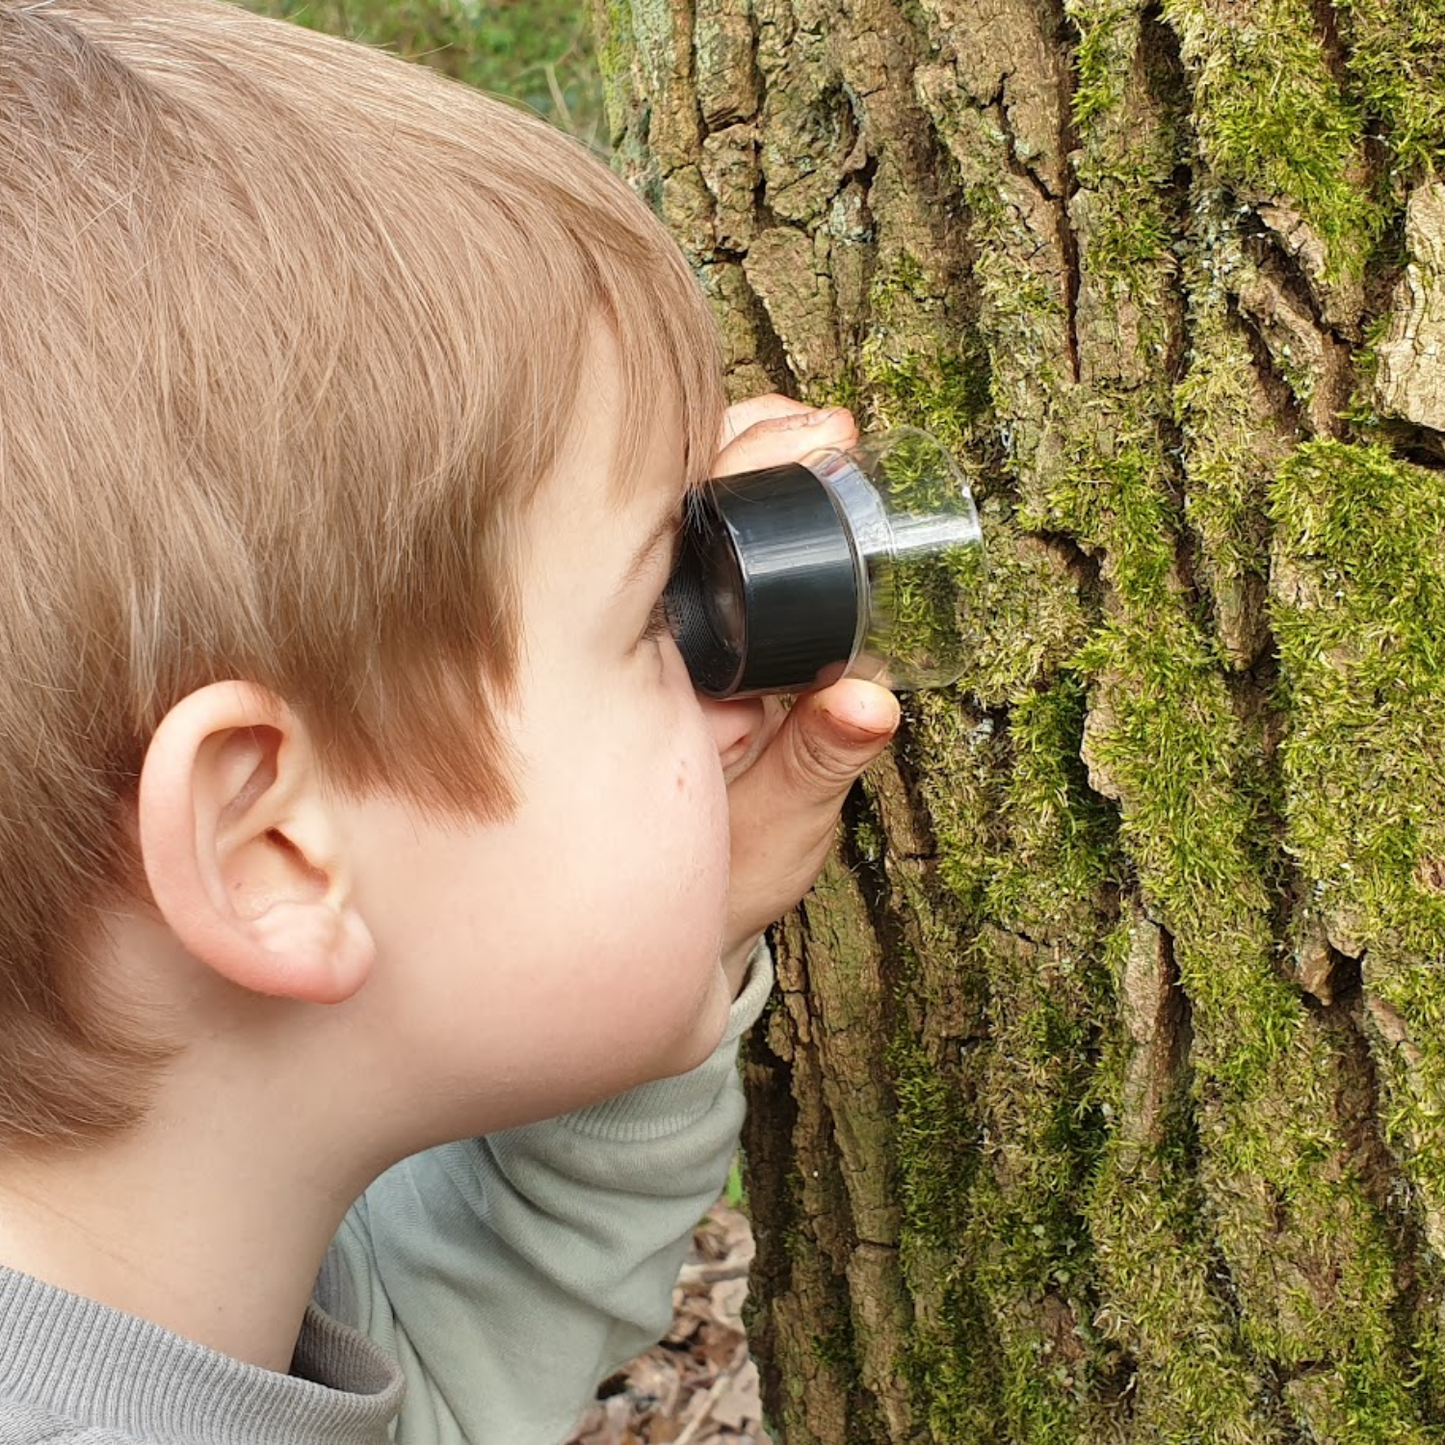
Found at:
[701, 793]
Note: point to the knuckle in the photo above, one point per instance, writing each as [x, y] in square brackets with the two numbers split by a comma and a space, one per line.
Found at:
[817, 769]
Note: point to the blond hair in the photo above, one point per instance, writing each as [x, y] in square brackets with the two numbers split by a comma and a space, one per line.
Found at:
[290, 333]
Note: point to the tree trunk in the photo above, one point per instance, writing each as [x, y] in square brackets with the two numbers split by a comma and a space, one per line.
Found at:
[1103, 1097]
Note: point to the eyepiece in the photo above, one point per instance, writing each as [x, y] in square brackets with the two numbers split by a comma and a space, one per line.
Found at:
[764, 597]
[860, 563]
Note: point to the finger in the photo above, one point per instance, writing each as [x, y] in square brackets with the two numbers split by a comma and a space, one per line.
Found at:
[784, 810]
[827, 740]
[781, 439]
[743, 414]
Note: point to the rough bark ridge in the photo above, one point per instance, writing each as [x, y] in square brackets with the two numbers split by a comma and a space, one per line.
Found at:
[1103, 1097]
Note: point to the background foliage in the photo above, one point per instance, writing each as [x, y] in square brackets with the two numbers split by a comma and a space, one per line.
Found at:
[538, 52]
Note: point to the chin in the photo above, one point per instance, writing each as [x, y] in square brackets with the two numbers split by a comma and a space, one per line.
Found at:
[707, 1026]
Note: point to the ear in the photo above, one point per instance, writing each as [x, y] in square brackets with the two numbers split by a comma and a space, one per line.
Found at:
[242, 851]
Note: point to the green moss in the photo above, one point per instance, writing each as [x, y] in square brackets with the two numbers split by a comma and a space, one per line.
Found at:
[1064, 834]
[1396, 56]
[1108, 31]
[951, 1367]
[1130, 235]
[1119, 499]
[1168, 744]
[1341, 1405]
[918, 366]
[1274, 121]
[933, 1169]
[1017, 277]
[842, 390]
[1228, 449]
[1359, 610]
[922, 384]
[994, 1250]
[1190, 1376]
[1026, 313]
[949, 1359]
[1146, 1216]
[836, 1348]
[1126, 109]
[1272, 1162]
[1197, 804]
[1028, 1247]
[868, 837]
[1031, 619]
[961, 758]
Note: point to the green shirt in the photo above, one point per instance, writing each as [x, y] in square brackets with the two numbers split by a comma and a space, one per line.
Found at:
[475, 1294]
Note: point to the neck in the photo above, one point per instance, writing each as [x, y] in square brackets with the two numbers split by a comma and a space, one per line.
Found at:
[214, 1229]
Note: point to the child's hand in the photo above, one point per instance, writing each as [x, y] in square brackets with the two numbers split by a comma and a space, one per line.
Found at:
[793, 769]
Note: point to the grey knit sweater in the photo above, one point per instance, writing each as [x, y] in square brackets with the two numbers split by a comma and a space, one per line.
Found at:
[475, 1295]
[74, 1370]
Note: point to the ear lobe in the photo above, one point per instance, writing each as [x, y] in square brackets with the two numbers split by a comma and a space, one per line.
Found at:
[241, 848]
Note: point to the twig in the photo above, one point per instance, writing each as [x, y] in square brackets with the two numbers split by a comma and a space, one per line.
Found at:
[712, 1273]
[700, 1419]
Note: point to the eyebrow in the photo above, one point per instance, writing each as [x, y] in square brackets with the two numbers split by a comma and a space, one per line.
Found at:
[668, 527]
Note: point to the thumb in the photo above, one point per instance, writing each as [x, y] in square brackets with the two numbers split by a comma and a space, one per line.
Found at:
[829, 737]
[784, 809]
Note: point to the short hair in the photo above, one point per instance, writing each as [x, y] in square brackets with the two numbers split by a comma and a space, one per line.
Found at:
[291, 331]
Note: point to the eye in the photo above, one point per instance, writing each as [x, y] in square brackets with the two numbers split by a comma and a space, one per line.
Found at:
[659, 622]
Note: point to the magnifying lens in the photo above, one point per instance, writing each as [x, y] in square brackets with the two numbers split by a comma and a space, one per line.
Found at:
[865, 563]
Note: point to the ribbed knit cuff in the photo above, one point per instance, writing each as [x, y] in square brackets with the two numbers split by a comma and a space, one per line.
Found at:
[92, 1365]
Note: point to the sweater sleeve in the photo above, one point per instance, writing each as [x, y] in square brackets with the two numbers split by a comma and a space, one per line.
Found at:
[508, 1275]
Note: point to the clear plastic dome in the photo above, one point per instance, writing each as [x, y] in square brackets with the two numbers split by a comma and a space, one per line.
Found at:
[918, 552]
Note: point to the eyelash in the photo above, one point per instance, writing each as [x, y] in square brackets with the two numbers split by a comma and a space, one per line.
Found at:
[659, 622]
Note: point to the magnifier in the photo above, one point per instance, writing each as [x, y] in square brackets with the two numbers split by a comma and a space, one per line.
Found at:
[865, 563]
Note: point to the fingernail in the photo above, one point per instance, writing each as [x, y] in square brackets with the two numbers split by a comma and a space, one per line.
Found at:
[855, 732]
[818, 418]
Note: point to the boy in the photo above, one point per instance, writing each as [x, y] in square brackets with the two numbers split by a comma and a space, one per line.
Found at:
[354, 800]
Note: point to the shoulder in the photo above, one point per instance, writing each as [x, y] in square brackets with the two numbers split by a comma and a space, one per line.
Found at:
[22, 1424]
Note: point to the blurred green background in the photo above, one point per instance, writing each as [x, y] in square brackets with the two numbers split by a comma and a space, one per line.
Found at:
[538, 52]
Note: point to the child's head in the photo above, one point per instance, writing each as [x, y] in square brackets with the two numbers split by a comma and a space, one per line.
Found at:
[292, 335]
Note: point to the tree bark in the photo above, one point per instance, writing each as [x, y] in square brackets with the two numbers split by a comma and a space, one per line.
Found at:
[1103, 1096]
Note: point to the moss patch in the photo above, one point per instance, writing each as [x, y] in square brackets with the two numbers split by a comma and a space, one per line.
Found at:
[1359, 610]
[918, 367]
[1396, 58]
[1275, 121]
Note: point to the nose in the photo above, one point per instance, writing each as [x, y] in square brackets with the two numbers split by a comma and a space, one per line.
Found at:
[739, 728]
